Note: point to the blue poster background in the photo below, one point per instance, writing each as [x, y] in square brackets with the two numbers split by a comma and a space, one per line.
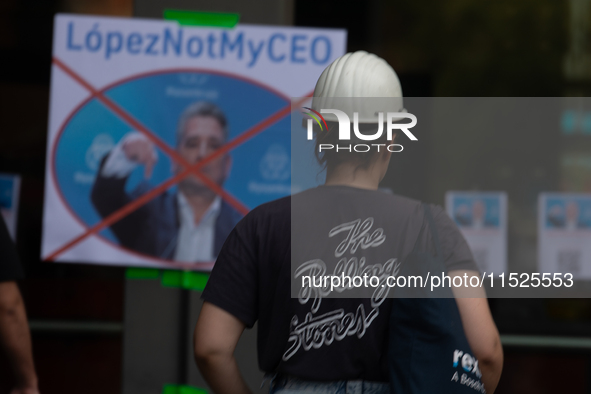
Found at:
[261, 166]
[463, 210]
[560, 210]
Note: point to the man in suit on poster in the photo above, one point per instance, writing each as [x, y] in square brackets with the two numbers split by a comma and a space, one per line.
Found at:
[186, 225]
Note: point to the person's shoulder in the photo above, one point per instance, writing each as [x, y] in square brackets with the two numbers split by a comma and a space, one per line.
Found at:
[402, 206]
[273, 214]
[438, 213]
[403, 201]
[330, 192]
[446, 225]
[229, 213]
[415, 209]
[280, 206]
[269, 209]
[389, 202]
[437, 210]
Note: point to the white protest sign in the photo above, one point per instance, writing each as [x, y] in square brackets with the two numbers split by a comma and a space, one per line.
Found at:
[161, 137]
[482, 219]
[564, 234]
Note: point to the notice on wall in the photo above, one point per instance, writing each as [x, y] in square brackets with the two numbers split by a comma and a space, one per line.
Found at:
[482, 219]
[162, 137]
[9, 195]
[564, 234]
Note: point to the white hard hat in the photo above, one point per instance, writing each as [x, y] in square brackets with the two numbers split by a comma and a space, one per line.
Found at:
[351, 81]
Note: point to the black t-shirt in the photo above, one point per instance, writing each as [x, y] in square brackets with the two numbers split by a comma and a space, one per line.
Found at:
[10, 268]
[319, 338]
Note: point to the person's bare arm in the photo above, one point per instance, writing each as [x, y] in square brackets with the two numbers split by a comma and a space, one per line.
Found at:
[15, 338]
[481, 331]
[216, 335]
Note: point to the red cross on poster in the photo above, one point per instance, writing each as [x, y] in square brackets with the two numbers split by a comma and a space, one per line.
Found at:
[162, 137]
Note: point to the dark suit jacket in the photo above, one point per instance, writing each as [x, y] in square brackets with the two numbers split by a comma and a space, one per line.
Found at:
[153, 228]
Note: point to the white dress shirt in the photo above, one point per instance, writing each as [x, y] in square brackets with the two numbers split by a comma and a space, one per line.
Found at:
[195, 240]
